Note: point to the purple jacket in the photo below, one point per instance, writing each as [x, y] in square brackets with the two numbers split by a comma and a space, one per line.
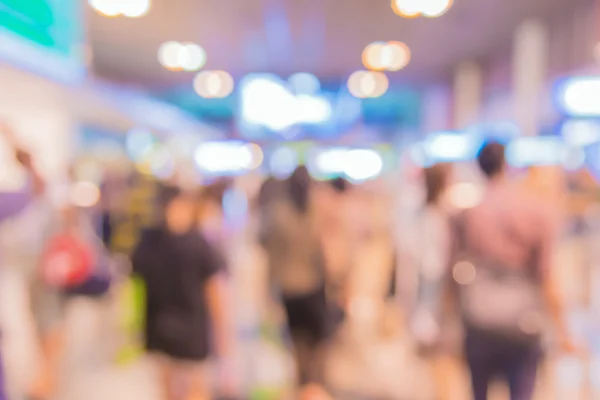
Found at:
[11, 203]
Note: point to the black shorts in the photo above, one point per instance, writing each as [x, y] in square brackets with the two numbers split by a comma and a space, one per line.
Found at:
[308, 316]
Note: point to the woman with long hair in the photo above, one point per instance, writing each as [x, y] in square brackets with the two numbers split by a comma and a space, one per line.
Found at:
[430, 325]
[297, 273]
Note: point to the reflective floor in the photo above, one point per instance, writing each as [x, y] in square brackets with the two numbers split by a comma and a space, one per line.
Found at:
[92, 374]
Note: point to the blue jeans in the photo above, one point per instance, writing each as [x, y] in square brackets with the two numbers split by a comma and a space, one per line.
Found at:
[490, 357]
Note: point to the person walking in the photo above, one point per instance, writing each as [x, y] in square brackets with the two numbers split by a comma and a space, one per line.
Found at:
[429, 322]
[501, 266]
[297, 274]
[12, 203]
[185, 296]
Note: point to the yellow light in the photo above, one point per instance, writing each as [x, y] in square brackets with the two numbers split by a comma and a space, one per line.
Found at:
[406, 8]
[176, 56]
[168, 55]
[355, 84]
[398, 56]
[435, 8]
[372, 56]
[257, 155]
[425, 8]
[392, 56]
[213, 84]
[127, 8]
[381, 84]
[364, 84]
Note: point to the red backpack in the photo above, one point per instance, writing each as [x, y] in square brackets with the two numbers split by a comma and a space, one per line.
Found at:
[67, 261]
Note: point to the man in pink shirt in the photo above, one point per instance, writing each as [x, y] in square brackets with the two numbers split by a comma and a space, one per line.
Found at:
[11, 203]
[512, 229]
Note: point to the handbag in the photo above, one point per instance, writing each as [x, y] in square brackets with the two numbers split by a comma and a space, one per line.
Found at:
[496, 298]
[74, 266]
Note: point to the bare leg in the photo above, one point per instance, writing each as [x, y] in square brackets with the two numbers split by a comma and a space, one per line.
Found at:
[45, 384]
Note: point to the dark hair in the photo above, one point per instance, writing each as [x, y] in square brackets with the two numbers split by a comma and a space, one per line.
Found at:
[340, 185]
[168, 194]
[436, 180]
[268, 191]
[491, 159]
[298, 186]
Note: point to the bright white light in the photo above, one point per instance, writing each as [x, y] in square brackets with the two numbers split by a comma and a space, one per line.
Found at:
[304, 83]
[364, 84]
[581, 133]
[331, 161]
[84, 194]
[135, 8]
[127, 8]
[192, 57]
[109, 8]
[168, 55]
[357, 164]
[181, 56]
[312, 109]
[363, 164]
[426, 8]
[213, 84]
[530, 151]
[283, 162]
[435, 8]
[224, 157]
[581, 97]
[407, 8]
[449, 147]
[392, 56]
[266, 101]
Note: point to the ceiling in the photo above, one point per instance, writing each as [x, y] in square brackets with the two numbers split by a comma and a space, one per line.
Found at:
[325, 37]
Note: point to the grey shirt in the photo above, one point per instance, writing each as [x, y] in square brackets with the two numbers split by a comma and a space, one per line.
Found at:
[293, 249]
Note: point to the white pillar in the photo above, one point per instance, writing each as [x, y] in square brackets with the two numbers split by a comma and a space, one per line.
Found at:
[530, 64]
[468, 84]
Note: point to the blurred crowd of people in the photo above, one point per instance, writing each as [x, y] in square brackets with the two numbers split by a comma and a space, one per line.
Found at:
[482, 287]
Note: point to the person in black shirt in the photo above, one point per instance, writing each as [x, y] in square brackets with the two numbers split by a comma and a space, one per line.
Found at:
[184, 296]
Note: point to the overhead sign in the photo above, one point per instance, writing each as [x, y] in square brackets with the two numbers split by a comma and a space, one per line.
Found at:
[44, 35]
[579, 96]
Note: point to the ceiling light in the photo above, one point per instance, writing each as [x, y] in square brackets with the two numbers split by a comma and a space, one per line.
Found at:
[373, 56]
[168, 55]
[191, 57]
[213, 84]
[127, 8]
[176, 56]
[425, 8]
[396, 56]
[392, 56]
[407, 8]
[435, 8]
[365, 84]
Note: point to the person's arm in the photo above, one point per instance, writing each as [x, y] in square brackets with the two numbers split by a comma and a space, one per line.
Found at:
[217, 299]
[550, 287]
[218, 307]
[12, 203]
